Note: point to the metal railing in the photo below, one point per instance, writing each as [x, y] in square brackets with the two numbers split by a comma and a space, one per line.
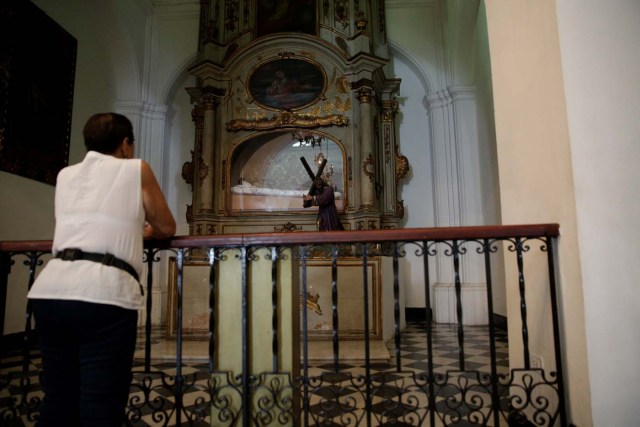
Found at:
[289, 391]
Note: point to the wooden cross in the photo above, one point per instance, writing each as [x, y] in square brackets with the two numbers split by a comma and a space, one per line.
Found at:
[312, 190]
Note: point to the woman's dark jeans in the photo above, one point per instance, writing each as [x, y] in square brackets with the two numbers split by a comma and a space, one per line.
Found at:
[87, 355]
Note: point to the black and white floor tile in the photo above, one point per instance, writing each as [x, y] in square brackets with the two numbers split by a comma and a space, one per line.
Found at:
[398, 396]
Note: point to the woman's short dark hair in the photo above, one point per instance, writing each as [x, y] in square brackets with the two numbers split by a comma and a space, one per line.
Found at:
[104, 132]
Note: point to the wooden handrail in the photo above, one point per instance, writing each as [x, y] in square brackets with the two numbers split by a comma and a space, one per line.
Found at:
[315, 237]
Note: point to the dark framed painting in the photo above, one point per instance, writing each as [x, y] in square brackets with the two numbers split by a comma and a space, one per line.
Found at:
[283, 16]
[37, 73]
[287, 84]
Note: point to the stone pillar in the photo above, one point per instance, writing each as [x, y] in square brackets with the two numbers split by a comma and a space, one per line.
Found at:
[367, 163]
[205, 203]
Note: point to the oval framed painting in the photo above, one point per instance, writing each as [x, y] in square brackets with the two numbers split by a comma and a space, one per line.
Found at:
[287, 84]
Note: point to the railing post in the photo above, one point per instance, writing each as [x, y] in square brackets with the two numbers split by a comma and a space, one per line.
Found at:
[246, 363]
[431, 396]
[5, 269]
[149, 253]
[495, 398]
[455, 248]
[305, 338]
[556, 328]
[179, 379]
[367, 350]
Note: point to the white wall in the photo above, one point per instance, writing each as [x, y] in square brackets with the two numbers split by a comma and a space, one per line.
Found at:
[536, 181]
[117, 65]
[600, 46]
[26, 206]
[488, 156]
[413, 27]
[417, 186]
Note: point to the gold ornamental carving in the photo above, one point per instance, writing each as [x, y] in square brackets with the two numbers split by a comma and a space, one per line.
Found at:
[389, 110]
[187, 172]
[312, 303]
[203, 170]
[361, 21]
[366, 163]
[387, 142]
[289, 227]
[400, 208]
[364, 95]
[341, 12]
[197, 116]
[209, 102]
[402, 166]
[287, 119]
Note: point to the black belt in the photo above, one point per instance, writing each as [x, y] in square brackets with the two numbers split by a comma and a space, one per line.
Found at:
[106, 259]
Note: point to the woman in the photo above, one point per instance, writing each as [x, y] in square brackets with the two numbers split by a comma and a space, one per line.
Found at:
[85, 300]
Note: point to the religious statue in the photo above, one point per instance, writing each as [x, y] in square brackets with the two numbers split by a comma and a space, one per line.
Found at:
[323, 197]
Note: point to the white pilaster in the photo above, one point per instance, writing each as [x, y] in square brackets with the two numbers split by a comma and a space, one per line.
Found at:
[148, 129]
[457, 190]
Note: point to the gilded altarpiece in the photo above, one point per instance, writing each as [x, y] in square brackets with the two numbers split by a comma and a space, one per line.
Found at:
[312, 83]
[269, 95]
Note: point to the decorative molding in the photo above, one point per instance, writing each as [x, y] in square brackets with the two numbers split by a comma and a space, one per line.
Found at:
[402, 165]
[197, 116]
[289, 227]
[389, 110]
[400, 208]
[361, 21]
[369, 161]
[286, 55]
[387, 142]
[187, 171]
[287, 119]
[364, 95]
[381, 21]
[224, 175]
[189, 214]
[203, 171]
[209, 101]
[341, 12]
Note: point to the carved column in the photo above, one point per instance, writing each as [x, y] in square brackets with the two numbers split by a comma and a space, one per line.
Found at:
[204, 165]
[367, 164]
[208, 105]
[394, 166]
[191, 171]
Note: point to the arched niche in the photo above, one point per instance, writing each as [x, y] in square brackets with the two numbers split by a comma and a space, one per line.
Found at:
[266, 173]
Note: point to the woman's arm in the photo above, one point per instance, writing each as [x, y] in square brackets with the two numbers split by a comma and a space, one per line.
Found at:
[160, 221]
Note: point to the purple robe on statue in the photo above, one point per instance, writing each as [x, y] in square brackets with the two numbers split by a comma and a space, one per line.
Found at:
[327, 212]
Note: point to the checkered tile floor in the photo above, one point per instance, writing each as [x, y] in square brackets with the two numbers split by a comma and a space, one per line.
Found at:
[397, 397]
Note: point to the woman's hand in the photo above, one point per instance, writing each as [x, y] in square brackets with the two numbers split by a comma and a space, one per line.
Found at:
[159, 218]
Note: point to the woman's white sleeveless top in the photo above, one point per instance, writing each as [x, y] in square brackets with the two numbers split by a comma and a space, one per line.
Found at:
[98, 208]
